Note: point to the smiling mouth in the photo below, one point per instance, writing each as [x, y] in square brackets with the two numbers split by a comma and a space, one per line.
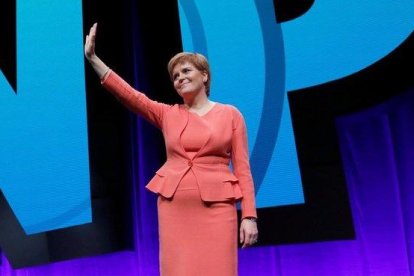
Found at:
[184, 84]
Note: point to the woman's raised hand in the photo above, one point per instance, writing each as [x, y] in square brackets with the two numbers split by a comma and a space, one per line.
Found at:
[98, 65]
[90, 42]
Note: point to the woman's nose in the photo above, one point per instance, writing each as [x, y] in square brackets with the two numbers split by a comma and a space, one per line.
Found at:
[180, 77]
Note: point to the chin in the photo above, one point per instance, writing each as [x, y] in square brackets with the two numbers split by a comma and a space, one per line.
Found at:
[182, 93]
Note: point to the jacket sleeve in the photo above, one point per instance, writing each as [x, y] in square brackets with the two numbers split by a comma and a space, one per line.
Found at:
[134, 100]
[241, 165]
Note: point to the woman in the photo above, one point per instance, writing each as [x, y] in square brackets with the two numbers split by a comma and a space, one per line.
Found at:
[197, 191]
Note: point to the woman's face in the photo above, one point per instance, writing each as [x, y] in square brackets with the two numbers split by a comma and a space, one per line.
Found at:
[188, 79]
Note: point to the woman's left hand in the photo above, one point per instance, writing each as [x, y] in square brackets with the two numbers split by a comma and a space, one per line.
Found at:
[248, 232]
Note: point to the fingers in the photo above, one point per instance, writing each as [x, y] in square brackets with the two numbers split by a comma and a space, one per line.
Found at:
[242, 235]
[93, 30]
[250, 239]
[87, 43]
[92, 33]
[90, 41]
[248, 233]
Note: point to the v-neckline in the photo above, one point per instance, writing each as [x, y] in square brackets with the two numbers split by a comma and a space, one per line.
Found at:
[205, 114]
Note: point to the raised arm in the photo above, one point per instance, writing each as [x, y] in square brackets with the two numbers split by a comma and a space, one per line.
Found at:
[131, 98]
[97, 64]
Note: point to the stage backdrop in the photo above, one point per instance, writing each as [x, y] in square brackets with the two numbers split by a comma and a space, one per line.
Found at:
[329, 107]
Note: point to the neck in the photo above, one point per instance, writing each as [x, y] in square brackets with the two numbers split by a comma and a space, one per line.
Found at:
[196, 101]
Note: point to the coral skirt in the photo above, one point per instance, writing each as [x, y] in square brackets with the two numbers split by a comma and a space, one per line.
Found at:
[196, 237]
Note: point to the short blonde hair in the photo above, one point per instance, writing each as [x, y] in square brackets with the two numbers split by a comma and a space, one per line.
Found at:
[198, 60]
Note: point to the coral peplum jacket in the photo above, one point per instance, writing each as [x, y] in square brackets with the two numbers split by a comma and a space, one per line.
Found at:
[225, 141]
